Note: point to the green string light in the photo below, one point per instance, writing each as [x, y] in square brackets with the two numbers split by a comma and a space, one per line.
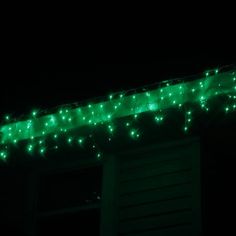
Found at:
[130, 106]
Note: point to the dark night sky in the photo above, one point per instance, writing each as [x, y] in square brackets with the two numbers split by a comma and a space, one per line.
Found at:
[100, 72]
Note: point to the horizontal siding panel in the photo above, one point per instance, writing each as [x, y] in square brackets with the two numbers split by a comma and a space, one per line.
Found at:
[156, 169]
[158, 208]
[156, 182]
[155, 195]
[146, 223]
[177, 230]
[152, 158]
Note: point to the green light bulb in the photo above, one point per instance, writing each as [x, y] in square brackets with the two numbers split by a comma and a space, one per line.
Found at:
[7, 117]
[42, 150]
[80, 140]
[30, 148]
[99, 155]
[34, 113]
[3, 154]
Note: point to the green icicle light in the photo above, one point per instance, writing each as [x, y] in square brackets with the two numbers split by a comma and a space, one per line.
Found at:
[130, 107]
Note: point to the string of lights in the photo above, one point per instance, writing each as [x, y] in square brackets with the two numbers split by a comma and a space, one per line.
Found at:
[36, 129]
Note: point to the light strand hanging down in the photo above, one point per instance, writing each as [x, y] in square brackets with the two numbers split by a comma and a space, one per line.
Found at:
[36, 128]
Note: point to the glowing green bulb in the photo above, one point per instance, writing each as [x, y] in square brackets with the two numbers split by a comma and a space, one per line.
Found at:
[227, 109]
[134, 134]
[174, 102]
[63, 117]
[80, 140]
[3, 154]
[193, 90]
[89, 105]
[60, 112]
[101, 106]
[14, 141]
[109, 116]
[69, 140]
[216, 71]
[134, 97]
[135, 116]
[52, 119]
[99, 155]
[207, 74]
[234, 79]
[70, 119]
[111, 129]
[34, 113]
[127, 124]
[162, 98]
[189, 112]
[55, 136]
[7, 117]
[170, 94]
[121, 95]
[158, 119]
[111, 96]
[30, 148]
[42, 150]
[185, 128]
